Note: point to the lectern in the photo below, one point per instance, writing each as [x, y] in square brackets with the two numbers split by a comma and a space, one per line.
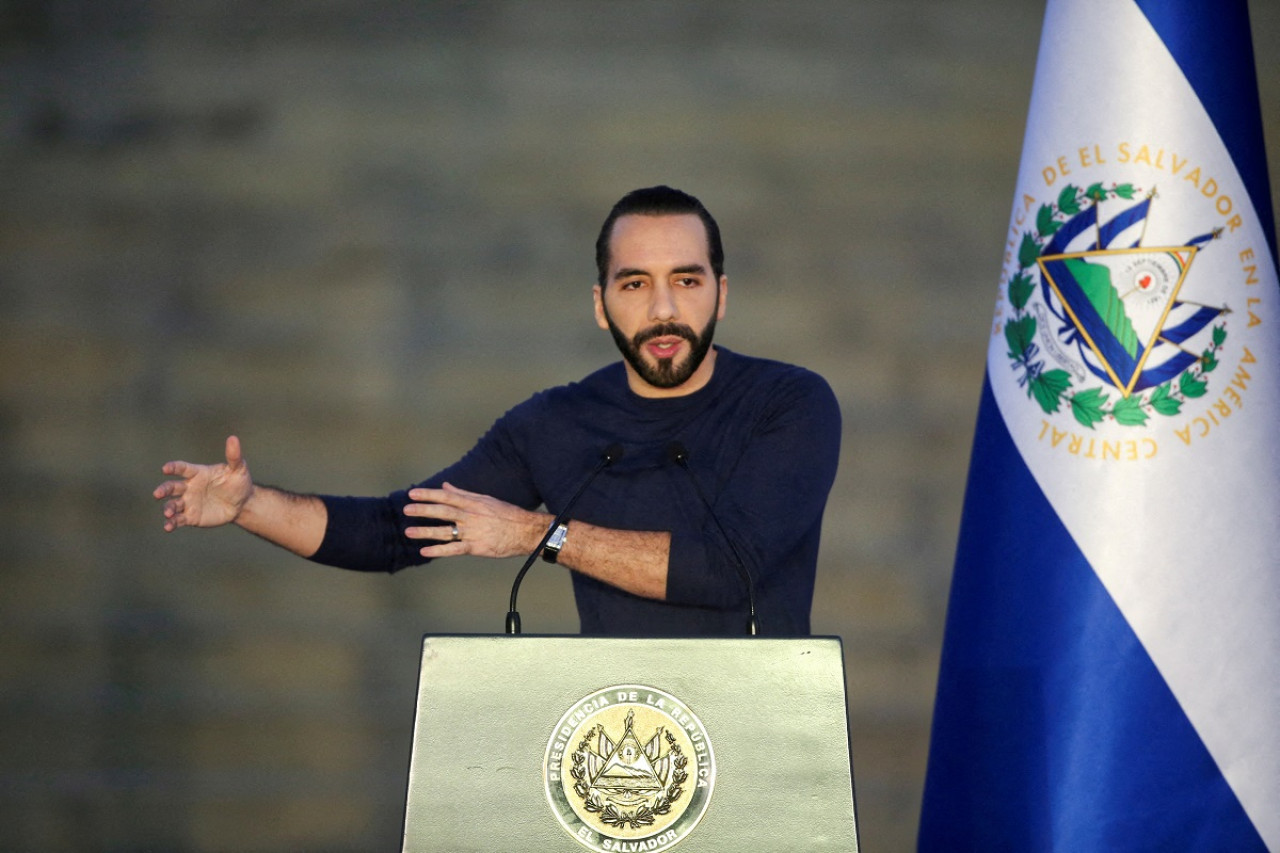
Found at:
[553, 743]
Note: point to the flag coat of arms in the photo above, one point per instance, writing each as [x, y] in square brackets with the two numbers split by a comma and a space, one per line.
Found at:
[1110, 675]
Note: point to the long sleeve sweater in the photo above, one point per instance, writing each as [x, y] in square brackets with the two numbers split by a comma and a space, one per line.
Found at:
[762, 440]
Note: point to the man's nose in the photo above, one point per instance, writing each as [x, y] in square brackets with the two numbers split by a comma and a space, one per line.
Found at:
[662, 306]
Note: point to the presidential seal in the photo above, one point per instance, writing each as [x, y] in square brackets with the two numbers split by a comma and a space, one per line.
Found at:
[629, 769]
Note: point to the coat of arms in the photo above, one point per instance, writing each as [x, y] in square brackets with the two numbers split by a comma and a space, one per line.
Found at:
[1105, 328]
[629, 768]
[625, 783]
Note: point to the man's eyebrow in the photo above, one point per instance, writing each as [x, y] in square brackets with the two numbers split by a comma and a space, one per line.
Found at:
[686, 269]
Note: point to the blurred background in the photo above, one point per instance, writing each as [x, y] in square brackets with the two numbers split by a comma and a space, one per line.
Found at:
[354, 233]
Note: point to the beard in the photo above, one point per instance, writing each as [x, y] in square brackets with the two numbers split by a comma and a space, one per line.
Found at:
[664, 372]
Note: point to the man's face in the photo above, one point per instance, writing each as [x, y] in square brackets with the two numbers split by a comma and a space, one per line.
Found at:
[661, 301]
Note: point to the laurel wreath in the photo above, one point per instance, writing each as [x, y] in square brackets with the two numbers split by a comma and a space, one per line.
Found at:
[1050, 388]
[644, 815]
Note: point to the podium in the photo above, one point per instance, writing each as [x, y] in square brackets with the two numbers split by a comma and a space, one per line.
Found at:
[555, 743]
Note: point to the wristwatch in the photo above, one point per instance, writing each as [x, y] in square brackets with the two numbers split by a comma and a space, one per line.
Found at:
[551, 551]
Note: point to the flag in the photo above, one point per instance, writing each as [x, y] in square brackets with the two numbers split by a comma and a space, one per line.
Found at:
[1110, 673]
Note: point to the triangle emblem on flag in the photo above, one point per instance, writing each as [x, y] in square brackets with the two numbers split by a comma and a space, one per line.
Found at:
[1118, 301]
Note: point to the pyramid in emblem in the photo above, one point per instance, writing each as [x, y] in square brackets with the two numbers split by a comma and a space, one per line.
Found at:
[629, 770]
[1118, 301]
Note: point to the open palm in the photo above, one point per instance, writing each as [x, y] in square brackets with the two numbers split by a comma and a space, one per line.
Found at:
[205, 495]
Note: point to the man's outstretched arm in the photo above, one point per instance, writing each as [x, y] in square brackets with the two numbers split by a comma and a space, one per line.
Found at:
[224, 493]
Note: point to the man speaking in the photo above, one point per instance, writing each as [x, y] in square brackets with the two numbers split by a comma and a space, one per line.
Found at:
[685, 468]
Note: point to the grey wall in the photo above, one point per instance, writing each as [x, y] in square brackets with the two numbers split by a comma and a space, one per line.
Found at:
[354, 233]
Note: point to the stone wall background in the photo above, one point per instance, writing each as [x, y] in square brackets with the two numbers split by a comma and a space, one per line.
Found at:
[354, 233]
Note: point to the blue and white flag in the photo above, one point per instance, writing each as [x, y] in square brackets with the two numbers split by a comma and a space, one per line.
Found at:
[1110, 675]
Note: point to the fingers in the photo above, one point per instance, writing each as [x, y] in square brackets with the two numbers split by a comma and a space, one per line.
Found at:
[434, 496]
[445, 549]
[431, 510]
[178, 468]
[201, 486]
[173, 518]
[442, 545]
[170, 488]
[488, 527]
[438, 532]
[448, 493]
[235, 457]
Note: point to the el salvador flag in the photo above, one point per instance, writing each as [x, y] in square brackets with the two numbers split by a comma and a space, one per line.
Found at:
[1110, 676]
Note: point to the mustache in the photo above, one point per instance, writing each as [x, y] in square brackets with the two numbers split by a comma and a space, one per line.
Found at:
[663, 330]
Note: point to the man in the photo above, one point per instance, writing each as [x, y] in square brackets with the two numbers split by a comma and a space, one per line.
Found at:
[714, 445]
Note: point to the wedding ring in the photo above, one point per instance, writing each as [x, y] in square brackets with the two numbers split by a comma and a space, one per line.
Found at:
[456, 534]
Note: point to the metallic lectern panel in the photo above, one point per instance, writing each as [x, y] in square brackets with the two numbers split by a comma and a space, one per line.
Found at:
[527, 743]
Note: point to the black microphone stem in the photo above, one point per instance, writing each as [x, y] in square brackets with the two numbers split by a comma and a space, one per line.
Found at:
[612, 454]
[680, 455]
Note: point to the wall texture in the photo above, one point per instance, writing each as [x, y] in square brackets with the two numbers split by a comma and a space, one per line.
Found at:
[354, 233]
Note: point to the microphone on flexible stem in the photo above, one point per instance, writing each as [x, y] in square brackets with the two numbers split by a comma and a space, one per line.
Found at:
[611, 454]
[679, 454]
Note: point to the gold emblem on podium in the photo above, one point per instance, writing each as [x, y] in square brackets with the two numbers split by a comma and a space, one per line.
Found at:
[629, 768]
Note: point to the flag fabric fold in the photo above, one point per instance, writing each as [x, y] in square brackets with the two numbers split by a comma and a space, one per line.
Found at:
[1110, 676]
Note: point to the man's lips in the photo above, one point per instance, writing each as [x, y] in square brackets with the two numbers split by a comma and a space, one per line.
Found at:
[664, 347]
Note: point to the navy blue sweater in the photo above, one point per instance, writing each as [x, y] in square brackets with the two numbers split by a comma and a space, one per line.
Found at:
[763, 440]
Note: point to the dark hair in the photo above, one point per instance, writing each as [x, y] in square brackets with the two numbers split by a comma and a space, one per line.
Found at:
[658, 201]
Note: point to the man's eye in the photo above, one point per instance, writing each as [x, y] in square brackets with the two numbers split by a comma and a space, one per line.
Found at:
[631, 285]
[689, 282]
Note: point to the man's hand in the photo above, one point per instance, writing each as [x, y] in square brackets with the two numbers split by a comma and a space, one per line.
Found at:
[206, 495]
[487, 527]
[633, 560]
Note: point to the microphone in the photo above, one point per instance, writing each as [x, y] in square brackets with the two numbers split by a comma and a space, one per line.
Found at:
[679, 454]
[611, 454]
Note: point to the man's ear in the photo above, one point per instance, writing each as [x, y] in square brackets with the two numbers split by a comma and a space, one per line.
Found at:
[724, 297]
[597, 298]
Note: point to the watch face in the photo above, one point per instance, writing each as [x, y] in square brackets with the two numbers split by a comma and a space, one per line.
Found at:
[551, 550]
